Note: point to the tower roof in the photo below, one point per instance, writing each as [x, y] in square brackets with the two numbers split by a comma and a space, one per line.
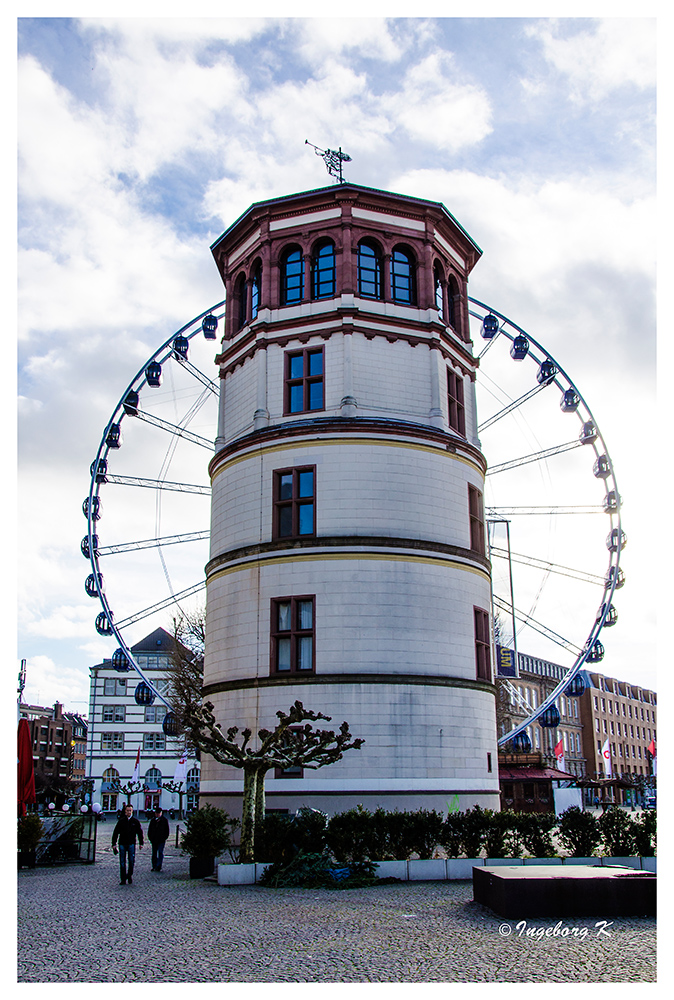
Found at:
[338, 191]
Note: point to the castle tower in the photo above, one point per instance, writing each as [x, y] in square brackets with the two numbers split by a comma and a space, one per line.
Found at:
[348, 566]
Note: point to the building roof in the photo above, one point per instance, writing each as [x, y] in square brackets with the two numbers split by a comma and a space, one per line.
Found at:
[525, 773]
[160, 639]
[346, 186]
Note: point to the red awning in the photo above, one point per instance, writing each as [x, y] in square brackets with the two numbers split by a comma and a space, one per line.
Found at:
[25, 770]
[534, 774]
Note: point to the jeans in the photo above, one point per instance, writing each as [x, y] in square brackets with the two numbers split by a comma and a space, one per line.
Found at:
[158, 855]
[126, 850]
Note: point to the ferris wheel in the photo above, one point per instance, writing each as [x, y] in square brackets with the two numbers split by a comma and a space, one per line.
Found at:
[550, 482]
[550, 496]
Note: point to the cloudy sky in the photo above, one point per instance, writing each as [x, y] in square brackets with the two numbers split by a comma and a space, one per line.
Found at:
[141, 140]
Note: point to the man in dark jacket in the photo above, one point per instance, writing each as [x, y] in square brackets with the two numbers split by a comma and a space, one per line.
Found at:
[157, 834]
[127, 829]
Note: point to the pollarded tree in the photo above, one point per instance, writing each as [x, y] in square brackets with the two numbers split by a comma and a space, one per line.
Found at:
[293, 743]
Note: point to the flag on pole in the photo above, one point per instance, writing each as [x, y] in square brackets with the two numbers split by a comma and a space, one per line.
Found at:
[606, 754]
[136, 771]
[181, 769]
[559, 754]
[654, 756]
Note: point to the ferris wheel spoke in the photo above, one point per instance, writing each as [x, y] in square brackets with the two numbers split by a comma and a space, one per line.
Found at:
[590, 508]
[526, 619]
[536, 456]
[159, 484]
[510, 407]
[188, 366]
[167, 602]
[152, 543]
[174, 429]
[546, 566]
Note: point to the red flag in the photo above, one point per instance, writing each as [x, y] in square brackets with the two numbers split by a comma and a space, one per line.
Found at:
[136, 771]
[651, 748]
[25, 770]
[559, 754]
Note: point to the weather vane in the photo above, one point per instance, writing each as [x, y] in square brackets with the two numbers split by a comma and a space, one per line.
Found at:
[333, 159]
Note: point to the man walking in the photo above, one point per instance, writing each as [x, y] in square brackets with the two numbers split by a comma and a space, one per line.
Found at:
[127, 829]
[157, 834]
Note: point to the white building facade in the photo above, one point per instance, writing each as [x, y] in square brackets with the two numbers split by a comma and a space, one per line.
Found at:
[120, 727]
[348, 566]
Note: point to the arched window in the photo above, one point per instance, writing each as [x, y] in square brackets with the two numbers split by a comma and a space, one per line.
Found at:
[193, 777]
[369, 271]
[110, 774]
[240, 301]
[292, 277]
[402, 276]
[255, 291]
[153, 777]
[439, 291]
[452, 293]
[323, 271]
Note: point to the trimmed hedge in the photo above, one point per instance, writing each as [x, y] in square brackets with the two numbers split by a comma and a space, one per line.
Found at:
[357, 835]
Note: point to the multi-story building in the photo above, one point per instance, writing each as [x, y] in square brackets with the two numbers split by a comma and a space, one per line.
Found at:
[624, 714]
[348, 566]
[121, 724]
[59, 743]
[520, 694]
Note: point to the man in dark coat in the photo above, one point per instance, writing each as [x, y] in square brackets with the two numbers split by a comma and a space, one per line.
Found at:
[126, 830]
[157, 834]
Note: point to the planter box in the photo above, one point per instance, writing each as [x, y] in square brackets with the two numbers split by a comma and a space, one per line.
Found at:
[622, 862]
[392, 869]
[542, 861]
[260, 867]
[649, 864]
[431, 870]
[236, 874]
[503, 861]
[462, 868]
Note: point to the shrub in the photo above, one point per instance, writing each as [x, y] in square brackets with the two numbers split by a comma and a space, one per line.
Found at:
[579, 833]
[348, 835]
[536, 833]
[451, 834]
[617, 832]
[29, 832]
[496, 828]
[424, 831]
[475, 824]
[645, 833]
[318, 871]
[279, 837]
[209, 832]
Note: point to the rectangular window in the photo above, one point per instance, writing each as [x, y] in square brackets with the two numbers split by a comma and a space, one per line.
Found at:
[114, 686]
[114, 713]
[303, 380]
[292, 635]
[109, 802]
[294, 502]
[154, 741]
[482, 644]
[476, 516]
[456, 411]
[289, 772]
[112, 741]
[155, 713]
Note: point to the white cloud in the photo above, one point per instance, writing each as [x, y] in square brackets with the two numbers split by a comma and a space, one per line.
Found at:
[48, 681]
[435, 107]
[321, 37]
[605, 56]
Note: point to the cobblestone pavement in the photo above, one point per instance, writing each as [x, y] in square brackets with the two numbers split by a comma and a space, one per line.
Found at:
[78, 924]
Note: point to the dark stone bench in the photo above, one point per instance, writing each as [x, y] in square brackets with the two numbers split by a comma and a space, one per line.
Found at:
[565, 891]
